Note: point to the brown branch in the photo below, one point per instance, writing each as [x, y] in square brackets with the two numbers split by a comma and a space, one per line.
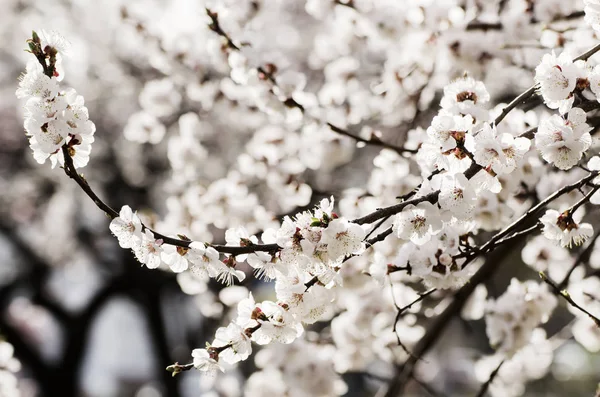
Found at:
[486, 385]
[372, 141]
[515, 102]
[396, 208]
[395, 327]
[495, 240]
[565, 295]
[477, 25]
[71, 171]
[216, 27]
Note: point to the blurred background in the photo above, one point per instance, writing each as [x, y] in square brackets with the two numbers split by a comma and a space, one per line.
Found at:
[174, 136]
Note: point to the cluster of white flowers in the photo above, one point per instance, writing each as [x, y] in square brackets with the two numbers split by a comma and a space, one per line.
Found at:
[9, 365]
[301, 369]
[201, 259]
[592, 13]
[511, 319]
[477, 175]
[497, 152]
[532, 362]
[544, 255]
[313, 246]
[585, 330]
[53, 118]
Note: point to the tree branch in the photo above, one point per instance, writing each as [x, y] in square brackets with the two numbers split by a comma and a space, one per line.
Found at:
[486, 385]
[565, 295]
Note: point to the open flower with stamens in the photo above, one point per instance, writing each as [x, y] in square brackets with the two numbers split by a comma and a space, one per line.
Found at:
[449, 130]
[55, 40]
[240, 237]
[445, 146]
[207, 361]
[226, 271]
[200, 259]
[563, 142]
[557, 78]
[267, 266]
[563, 228]
[343, 238]
[34, 83]
[466, 96]
[234, 336]
[457, 195]
[418, 223]
[148, 250]
[276, 324]
[127, 227]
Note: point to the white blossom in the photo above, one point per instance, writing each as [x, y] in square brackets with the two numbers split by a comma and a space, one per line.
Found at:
[594, 80]
[206, 362]
[127, 227]
[235, 336]
[418, 223]
[55, 40]
[343, 238]
[457, 195]
[148, 250]
[240, 237]
[592, 13]
[557, 77]
[465, 96]
[179, 259]
[511, 318]
[226, 271]
[564, 229]
[9, 365]
[278, 325]
[34, 83]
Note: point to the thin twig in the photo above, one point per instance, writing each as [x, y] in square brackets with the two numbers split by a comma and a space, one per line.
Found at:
[377, 226]
[486, 385]
[395, 327]
[520, 234]
[422, 296]
[582, 257]
[515, 102]
[491, 244]
[372, 141]
[565, 295]
[587, 54]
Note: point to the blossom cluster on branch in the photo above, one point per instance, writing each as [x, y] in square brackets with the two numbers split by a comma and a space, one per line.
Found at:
[481, 177]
